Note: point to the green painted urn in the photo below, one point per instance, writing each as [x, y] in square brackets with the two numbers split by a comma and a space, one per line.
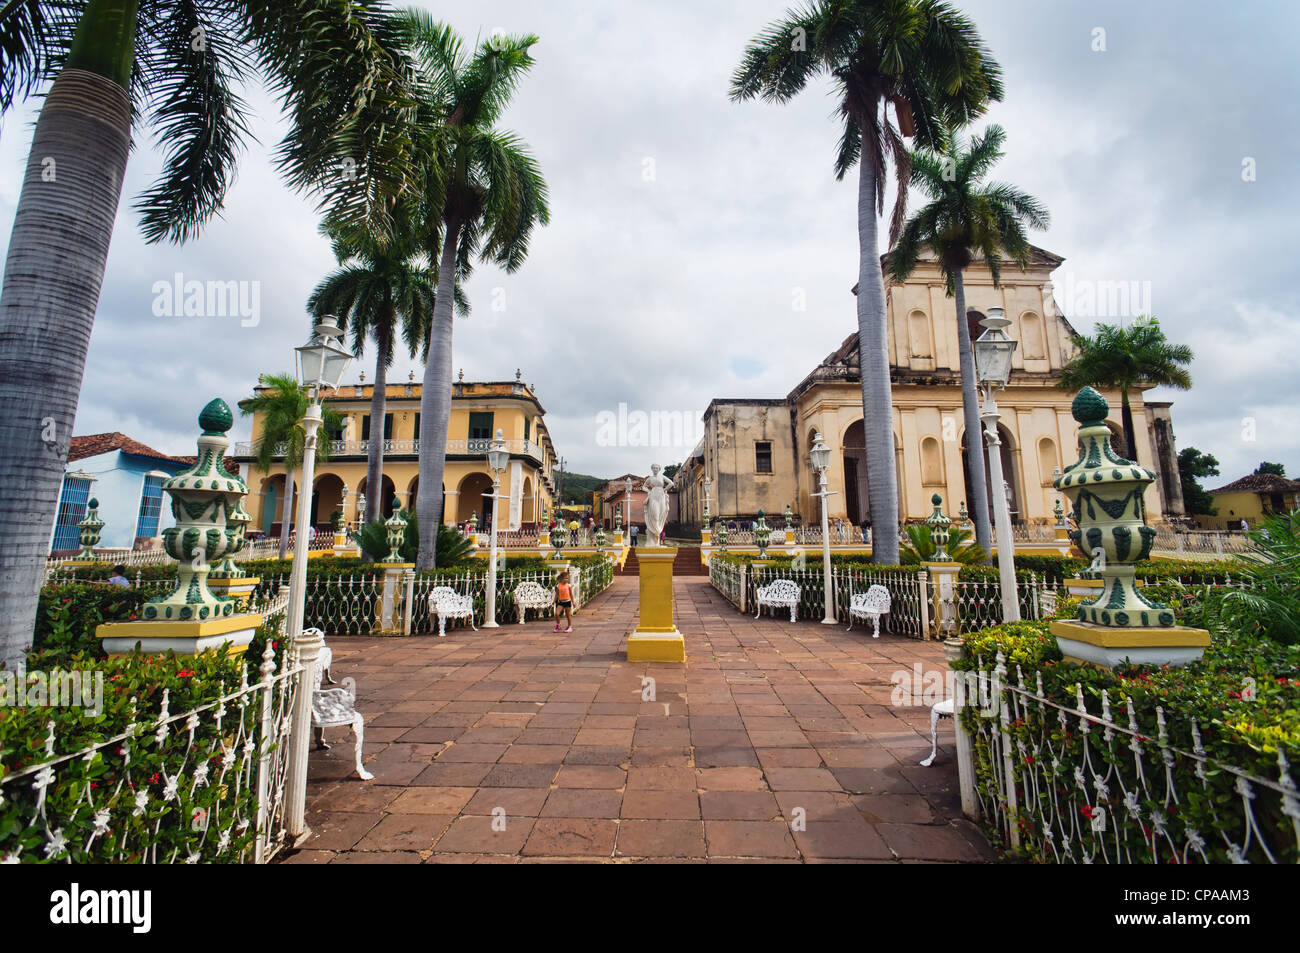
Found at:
[203, 498]
[90, 530]
[938, 523]
[396, 529]
[600, 537]
[762, 535]
[720, 534]
[1107, 496]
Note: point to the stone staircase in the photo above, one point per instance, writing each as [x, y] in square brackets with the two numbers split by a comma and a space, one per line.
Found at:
[687, 562]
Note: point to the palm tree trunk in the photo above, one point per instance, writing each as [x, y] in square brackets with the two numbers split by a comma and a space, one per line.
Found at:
[53, 274]
[375, 449]
[873, 356]
[435, 405]
[286, 520]
[1126, 417]
[979, 484]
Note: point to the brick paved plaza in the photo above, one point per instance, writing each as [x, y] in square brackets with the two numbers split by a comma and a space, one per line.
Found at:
[547, 735]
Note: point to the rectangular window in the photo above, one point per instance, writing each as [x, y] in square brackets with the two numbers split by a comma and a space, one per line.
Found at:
[337, 432]
[763, 457]
[150, 507]
[417, 425]
[365, 426]
[480, 426]
[72, 510]
[527, 423]
[388, 426]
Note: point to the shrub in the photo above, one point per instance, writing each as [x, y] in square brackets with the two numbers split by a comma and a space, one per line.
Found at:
[1243, 696]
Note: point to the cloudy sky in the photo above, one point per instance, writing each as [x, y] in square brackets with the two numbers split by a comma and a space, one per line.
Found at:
[683, 225]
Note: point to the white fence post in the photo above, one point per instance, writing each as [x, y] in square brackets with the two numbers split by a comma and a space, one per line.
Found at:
[408, 600]
[307, 648]
[264, 755]
[923, 591]
[970, 804]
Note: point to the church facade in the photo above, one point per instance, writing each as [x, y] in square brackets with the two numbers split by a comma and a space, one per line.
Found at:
[755, 450]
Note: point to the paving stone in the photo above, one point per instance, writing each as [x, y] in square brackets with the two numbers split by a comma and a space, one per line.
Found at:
[749, 839]
[738, 805]
[661, 838]
[431, 800]
[583, 802]
[849, 839]
[474, 834]
[590, 776]
[664, 805]
[571, 836]
[401, 832]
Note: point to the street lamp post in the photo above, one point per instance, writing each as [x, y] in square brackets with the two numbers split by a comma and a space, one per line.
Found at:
[993, 352]
[708, 483]
[498, 457]
[321, 362]
[820, 457]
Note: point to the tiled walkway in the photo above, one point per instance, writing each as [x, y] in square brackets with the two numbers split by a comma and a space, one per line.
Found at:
[775, 742]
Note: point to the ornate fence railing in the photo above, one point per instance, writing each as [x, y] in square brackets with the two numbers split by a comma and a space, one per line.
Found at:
[1066, 784]
[204, 785]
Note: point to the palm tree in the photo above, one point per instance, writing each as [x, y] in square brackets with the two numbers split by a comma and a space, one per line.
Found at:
[483, 195]
[283, 404]
[383, 289]
[174, 67]
[966, 218]
[925, 58]
[1124, 358]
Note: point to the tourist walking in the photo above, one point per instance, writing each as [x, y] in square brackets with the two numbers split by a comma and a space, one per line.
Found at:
[634, 532]
[563, 601]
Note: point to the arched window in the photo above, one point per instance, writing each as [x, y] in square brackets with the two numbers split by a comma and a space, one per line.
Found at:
[1048, 460]
[1031, 333]
[918, 332]
[931, 462]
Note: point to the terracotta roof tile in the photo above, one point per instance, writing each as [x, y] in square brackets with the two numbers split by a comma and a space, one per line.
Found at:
[1260, 483]
[92, 445]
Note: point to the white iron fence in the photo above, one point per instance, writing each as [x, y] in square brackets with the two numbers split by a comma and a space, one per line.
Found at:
[205, 785]
[1065, 784]
[917, 601]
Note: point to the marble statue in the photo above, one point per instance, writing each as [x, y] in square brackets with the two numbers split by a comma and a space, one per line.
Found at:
[656, 503]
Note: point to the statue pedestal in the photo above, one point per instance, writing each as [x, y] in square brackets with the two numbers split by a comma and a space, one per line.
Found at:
[239, 587]
[655, 638]
[1109, 646]
[184, 637]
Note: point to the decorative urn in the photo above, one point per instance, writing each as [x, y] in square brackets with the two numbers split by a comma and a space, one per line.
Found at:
[237, 521]
[395, 526]
[1106, 492]
[91, 527]
[558, 534]
[204, 497]
[939, 533]
[762, 535]
[720, 534]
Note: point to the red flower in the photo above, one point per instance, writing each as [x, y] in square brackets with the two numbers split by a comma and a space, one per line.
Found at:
[153, 779]
[184, 673]
[1086, 811]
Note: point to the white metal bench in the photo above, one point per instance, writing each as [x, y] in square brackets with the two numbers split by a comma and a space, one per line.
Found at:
[447, 603]
[335, 707]
[531, 595]
[871, 604]
[779, 594]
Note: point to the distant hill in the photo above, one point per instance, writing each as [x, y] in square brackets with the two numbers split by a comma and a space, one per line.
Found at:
[578, 487]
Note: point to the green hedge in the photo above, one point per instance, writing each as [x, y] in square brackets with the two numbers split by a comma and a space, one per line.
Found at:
[1244, 695]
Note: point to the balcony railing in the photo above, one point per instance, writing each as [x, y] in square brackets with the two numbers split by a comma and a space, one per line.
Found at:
[359, 448]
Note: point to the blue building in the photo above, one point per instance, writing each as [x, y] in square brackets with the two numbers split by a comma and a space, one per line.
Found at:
[126, 477]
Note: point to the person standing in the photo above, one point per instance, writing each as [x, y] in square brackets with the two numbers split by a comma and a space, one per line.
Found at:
[634, 532]
[119, 577]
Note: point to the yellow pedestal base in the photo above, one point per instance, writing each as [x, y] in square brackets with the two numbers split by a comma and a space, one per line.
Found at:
[1109, 646]
[656, 638]
[240, 588]
[183, 638]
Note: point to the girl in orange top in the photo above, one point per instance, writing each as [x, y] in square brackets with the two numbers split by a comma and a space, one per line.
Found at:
[563, 600]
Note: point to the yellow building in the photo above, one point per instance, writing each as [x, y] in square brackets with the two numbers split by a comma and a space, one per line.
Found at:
[1252, 498]
[478, 410]
[755, 451]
